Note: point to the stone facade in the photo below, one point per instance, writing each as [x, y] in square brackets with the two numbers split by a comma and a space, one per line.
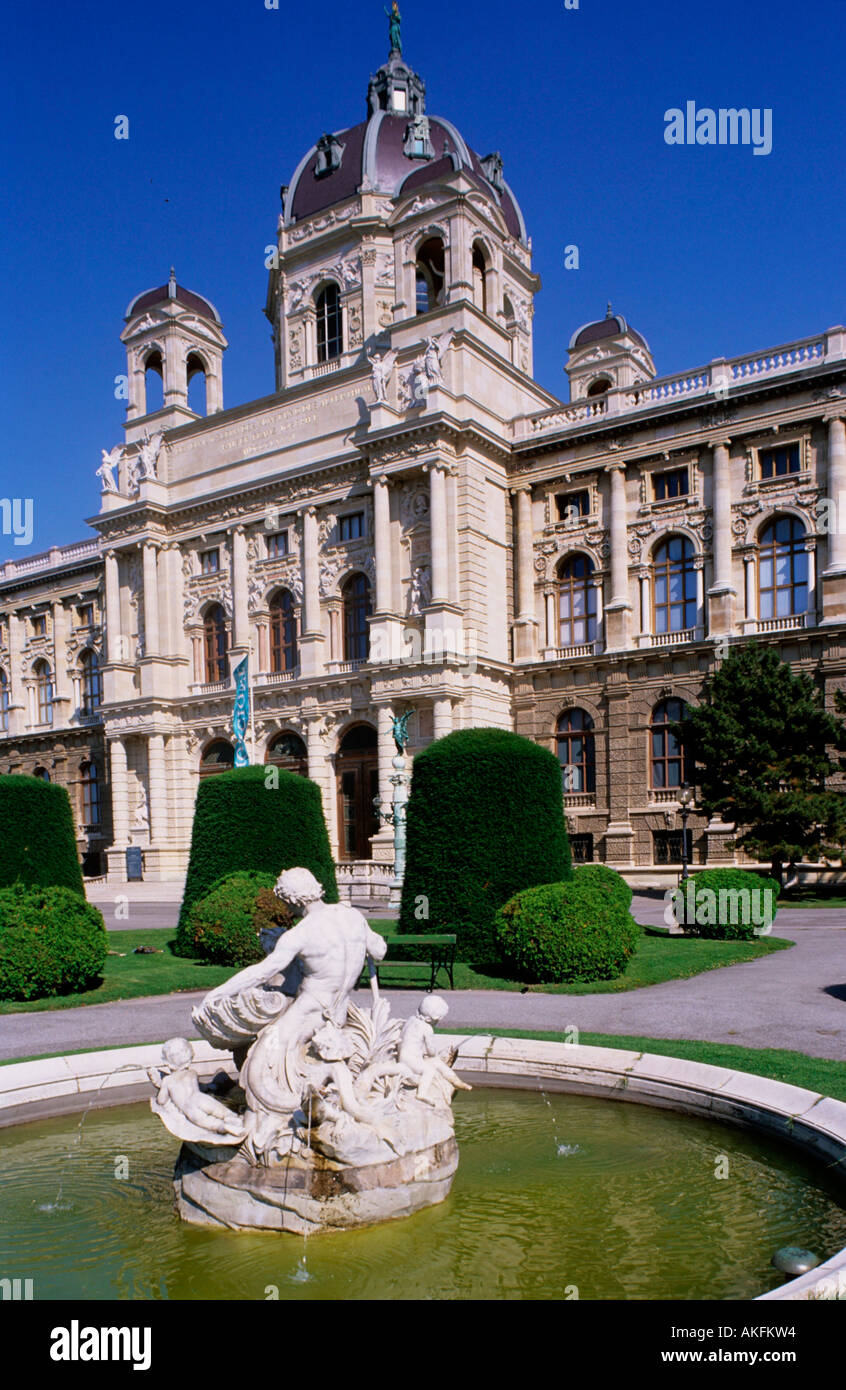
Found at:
[407, 456]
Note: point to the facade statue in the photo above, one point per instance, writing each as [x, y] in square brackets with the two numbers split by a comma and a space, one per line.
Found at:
[420, 595]
[342, 1117]
[399, 727]
[433, 354]
[147, 458]
[106, 471]
[395, 28]
[382, 365]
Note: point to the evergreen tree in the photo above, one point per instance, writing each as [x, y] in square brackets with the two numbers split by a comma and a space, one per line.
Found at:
[763, 742]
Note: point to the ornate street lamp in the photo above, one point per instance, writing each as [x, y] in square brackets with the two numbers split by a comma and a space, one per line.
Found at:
[399, 800]
[686, 799]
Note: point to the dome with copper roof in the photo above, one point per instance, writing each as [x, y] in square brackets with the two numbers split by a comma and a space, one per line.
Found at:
[612, 326]
[396, 151]
[167, 294]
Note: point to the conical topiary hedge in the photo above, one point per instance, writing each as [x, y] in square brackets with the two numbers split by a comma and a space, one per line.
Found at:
[485, 820]
[37, 835]
[257, 819]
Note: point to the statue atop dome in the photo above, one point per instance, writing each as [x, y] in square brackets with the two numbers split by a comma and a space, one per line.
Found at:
[395, 27]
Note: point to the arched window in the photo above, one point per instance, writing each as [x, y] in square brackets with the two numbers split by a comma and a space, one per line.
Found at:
[576, 602]
[41, 773]
[283, 632]
[782, 569]
[669, 766]
[288, 751]
[599, 386]
[218, 757]
[674, 586]
[4, 703]
[153, 382]
[43, 692]
[357, 609]
[90, 787]
[510, 316]
[480, 277]
[216, 644]
[430, 272]
[329, 326]
[91, 683]
[576, 752]
[195, 369]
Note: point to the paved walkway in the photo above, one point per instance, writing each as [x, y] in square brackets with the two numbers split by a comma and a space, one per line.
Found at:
[792, 999]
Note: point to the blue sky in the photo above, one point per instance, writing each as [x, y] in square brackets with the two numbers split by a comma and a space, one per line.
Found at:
[707, 250]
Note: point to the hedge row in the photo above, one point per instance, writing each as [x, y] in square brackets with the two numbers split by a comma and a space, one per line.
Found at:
[38, 837]
[51, 942]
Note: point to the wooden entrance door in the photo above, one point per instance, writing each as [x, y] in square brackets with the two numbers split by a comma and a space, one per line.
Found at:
[357, 776]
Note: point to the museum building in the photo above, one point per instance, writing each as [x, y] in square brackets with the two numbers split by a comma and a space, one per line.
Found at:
[411, 522]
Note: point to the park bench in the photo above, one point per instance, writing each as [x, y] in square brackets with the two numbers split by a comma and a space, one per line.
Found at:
[439, 953]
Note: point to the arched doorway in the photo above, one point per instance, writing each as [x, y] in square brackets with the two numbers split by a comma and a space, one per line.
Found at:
[357, 777]
[217, 757]
[288, 751]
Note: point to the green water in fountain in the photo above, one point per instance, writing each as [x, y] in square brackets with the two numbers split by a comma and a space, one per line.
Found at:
[571, 1193]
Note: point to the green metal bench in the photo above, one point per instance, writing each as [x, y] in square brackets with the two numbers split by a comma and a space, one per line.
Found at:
[439, 949]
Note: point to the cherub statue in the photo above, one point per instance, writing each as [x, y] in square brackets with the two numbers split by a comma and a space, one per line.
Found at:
[383, 366]
[106, 471]
[435, 1078]
[435, 349]
[183, 1107]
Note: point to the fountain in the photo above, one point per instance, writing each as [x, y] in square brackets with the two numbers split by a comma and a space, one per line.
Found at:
[342, 1116]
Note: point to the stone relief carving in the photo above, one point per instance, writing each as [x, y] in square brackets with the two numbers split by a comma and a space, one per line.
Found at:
[414, 505]
[356, 332]
[300, 231]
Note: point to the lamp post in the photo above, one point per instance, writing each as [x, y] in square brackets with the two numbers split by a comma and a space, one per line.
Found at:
[686, 799]
[399, 800]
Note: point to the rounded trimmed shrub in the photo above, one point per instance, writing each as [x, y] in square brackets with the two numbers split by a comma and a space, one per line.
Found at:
[606, 881]
[561, 932]
[51, 942]
[38, 839]
[485, 820]
[224, 926]
[254, 820]
[727, 904]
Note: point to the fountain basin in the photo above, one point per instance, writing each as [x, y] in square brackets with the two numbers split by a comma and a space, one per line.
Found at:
[812, 1124]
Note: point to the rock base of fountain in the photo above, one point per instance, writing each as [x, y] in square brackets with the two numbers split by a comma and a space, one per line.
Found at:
[304, 1197]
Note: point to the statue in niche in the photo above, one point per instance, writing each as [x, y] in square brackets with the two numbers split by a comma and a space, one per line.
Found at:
[435, 349]
[106, 471]
[382, 365]
[420, 595]
[141, 820]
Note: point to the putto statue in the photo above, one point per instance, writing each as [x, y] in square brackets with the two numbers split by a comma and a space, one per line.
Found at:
[342, 1115]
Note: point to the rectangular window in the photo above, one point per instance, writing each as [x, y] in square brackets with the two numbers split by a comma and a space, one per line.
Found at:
[778, 463]
[572, 505]
[86, 615]
[277, 545]
[582, 849]
[667, 846]
[673, 483]
[210, 562]
[351, 527]
[39, 626]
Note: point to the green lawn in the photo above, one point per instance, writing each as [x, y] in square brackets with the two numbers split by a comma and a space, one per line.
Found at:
[819, 896]
[796, 1068]
[127, 976]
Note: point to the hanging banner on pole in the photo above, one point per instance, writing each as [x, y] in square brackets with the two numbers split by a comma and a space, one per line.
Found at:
[241, 715]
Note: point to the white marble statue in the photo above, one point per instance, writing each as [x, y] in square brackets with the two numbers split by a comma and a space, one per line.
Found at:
[382, 365]
[147, 458]
[343, 1116]
[106, 471]
[432, 357]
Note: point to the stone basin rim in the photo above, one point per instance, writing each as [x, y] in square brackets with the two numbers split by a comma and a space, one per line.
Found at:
[806, 1120]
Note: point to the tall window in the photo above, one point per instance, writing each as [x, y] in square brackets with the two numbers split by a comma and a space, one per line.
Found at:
[283, 632]
[216, 644]
[329, 345]
[43, 692]
[430, 274]
[90, 795]
[576, 752]
[782, 569]
[480, 278]
[351, 526]
[670, 767]
[357, 609]
[778, 463]
[674, 585]
[4, 703]
[195, 369]
[92, 685]
[576, 602]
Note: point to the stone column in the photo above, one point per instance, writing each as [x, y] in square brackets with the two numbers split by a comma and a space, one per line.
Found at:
[241, 615]
[197, 654]
[645, 616]
[525, 623]
[62, 686]
[113, 623]
[262, 624]
[320, 771]
[382, 545]
[443, 717]
[152, 638]
[552, 632]
[382, 842]
[749, 584]
[597, 584]
[834, 575]
[119, 793]
[157, 770]
[439, 540]
[311, 638]
[618, 611]
[699, 567]
[722, 594]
